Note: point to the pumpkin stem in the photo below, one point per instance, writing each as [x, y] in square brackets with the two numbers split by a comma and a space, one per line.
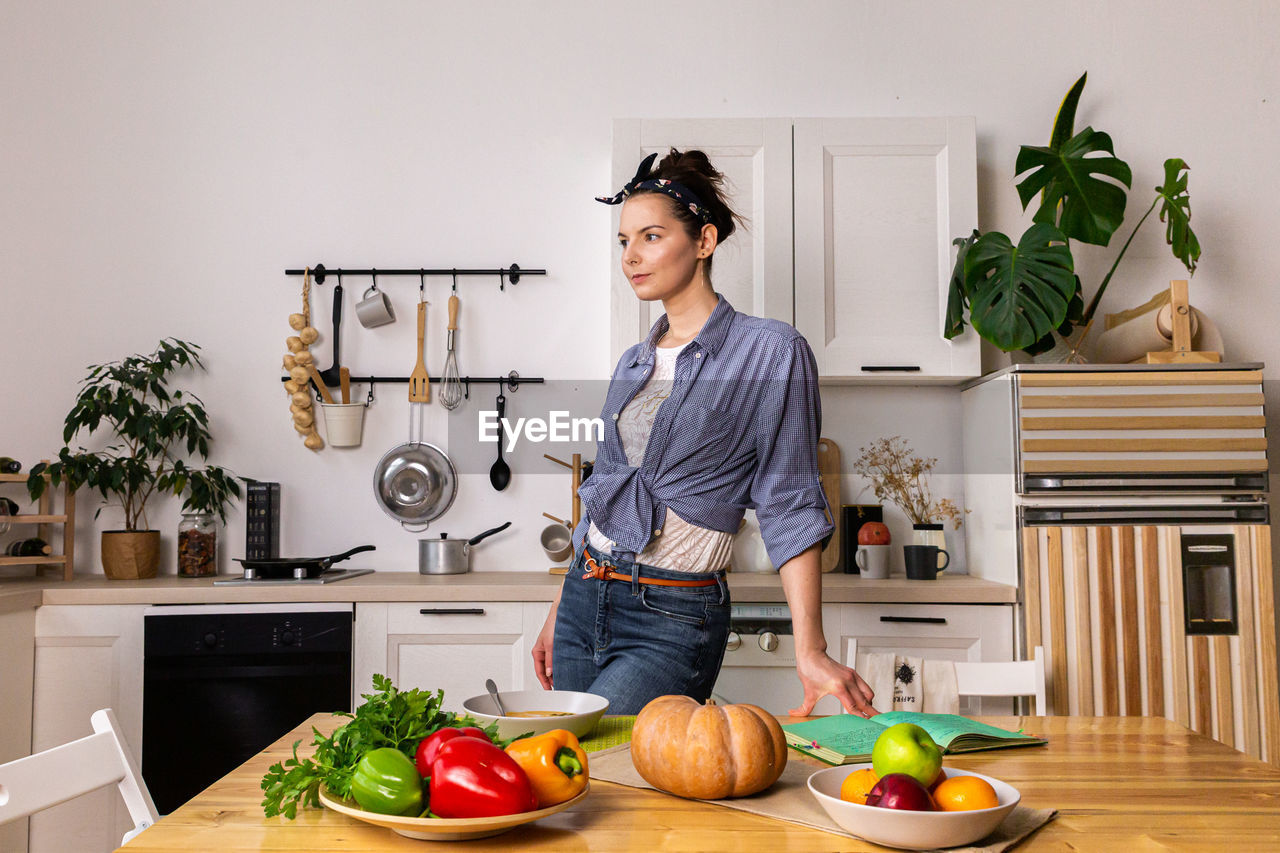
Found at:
[710, 702]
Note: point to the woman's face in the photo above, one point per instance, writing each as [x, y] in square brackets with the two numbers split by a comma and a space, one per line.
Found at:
[658, 256]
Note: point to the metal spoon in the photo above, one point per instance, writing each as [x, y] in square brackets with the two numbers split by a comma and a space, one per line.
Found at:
[500, 473]
[493, 691]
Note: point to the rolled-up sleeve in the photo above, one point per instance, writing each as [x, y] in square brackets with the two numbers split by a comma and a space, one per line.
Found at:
[786, 492]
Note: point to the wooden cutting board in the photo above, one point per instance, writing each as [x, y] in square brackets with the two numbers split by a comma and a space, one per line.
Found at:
[829, 471]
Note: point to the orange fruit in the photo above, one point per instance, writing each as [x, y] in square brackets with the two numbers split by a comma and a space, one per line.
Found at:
[857, 785]
[965, 793]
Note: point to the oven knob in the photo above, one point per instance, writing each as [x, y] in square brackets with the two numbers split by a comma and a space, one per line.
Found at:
[210, 640]
[733, 641]
[769, 641]
[287, 638]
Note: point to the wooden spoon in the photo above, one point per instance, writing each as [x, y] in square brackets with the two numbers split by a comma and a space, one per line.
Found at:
[344, 378]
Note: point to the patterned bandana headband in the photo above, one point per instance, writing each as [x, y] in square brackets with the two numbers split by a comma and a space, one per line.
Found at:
[679, 192]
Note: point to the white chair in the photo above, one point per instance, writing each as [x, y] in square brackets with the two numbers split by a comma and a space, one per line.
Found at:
[993, 678]
[43, 780]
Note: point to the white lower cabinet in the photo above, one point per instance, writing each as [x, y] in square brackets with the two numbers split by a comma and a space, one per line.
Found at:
[958, 632]
[86, 658]
[450, 646]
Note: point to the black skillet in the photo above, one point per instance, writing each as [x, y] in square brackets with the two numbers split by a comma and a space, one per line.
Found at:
[284, 567]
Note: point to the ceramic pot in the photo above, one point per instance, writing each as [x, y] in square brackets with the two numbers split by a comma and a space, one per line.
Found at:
[130, 554]
[930, 534]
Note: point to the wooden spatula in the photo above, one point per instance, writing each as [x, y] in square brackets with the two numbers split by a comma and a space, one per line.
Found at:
[419, 381]
[344, 381]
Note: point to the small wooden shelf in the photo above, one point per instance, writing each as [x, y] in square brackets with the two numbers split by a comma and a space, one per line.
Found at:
[43, 520]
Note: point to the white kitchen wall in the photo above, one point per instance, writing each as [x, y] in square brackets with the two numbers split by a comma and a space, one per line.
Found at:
[162, 163]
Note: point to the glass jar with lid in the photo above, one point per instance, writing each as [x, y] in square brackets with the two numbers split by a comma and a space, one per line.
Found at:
[197, 545]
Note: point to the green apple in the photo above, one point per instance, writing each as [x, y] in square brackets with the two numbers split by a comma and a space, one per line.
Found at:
[907, 748]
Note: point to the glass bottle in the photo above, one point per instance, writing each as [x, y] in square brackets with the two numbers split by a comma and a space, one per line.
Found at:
[197, 545]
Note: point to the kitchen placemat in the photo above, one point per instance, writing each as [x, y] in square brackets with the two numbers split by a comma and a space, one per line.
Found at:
[609, 732]
[789, 799]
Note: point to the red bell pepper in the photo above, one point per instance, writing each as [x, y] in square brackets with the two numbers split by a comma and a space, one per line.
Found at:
[473, 778]
[426, 752]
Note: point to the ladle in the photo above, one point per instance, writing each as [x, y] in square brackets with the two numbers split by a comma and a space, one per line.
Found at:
[500, 473]
[493, 691]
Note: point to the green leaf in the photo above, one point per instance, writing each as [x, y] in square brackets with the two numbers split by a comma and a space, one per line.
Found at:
[957, 296]
[1018, 294]
[1064, 123]
[1176, 206]
[1083, 207]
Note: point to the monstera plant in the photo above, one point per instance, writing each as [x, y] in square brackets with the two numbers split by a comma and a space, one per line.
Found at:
[1026, 296]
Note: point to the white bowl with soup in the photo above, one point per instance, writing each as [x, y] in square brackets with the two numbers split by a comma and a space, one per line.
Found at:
[538, 711]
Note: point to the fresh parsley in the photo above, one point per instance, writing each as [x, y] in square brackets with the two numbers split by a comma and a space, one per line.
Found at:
[388, 717]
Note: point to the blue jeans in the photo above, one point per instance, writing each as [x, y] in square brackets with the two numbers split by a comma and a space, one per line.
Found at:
[632, 642]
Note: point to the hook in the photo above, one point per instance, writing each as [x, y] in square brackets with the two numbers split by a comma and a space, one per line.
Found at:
[502, 281]
[422, 285]
[466, 388]
[455, 281]
[373, 273]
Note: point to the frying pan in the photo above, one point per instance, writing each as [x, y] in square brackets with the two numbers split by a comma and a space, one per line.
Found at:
[301, 567]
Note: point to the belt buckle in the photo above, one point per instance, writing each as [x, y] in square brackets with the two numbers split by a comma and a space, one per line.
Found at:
[599, 571]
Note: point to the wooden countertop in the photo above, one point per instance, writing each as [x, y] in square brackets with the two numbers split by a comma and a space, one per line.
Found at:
[1119, 783]
[744, 587]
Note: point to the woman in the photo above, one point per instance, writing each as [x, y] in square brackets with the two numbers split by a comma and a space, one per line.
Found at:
[713, 413]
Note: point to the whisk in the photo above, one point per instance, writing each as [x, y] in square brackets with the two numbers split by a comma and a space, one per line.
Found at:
[451, 382]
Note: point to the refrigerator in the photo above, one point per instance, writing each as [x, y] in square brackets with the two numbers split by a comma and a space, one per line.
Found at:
[1128, 504]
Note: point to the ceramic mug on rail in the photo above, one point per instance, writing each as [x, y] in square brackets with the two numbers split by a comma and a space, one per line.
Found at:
[374, 309]
[922, 561]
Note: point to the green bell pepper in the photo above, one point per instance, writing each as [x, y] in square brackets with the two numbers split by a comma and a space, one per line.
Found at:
[385, 781]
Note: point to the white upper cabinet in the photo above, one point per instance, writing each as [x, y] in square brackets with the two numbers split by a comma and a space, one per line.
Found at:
[877, 204]
[753, 269]
[850, 223]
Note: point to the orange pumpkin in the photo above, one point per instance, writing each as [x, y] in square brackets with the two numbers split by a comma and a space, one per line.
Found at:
[707, 752]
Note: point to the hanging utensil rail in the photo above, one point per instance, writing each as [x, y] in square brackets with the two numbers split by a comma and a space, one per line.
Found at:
[513, 381]
[505, 274]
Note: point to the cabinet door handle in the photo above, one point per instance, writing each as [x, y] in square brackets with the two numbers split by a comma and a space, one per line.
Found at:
[885, 368]
[452, 611]
[923, 620]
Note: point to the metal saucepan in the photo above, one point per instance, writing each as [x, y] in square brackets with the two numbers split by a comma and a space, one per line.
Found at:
[445, 556]
[302, 567]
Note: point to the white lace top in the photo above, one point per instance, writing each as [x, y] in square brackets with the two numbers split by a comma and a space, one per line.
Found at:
[682, 547]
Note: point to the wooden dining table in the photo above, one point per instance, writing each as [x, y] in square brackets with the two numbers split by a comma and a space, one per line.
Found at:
[1118, 784]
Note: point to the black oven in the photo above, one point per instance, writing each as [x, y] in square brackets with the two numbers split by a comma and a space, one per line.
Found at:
[222, 682]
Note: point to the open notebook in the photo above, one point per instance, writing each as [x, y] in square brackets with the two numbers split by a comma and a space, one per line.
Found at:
[846, 738]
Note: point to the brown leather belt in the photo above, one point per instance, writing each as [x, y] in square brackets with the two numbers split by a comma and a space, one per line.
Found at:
[601, 572]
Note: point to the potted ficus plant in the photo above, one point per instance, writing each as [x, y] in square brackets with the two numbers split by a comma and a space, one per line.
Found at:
[152, 429]
[1028, 296]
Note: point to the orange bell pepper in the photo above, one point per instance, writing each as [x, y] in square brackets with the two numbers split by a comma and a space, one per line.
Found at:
[555, 764]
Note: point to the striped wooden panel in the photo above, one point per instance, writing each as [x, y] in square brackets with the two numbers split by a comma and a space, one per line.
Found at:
[1129, 624]
[1171, 568]
[1175, 422]
[1084, 632]
[1031, 587]
[1250, 739]
[1060, 696]
[1138, 466]
[1151, 614]
[1137, 401]
[1223, 701]
[1260, 539]
[1201, 686]
[1113, 445]
[1141, 377]
[1106, 633]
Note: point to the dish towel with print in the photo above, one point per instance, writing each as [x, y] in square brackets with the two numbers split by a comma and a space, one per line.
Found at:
[905, 683]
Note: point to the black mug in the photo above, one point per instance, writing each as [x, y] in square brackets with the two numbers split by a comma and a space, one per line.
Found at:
[922, 561]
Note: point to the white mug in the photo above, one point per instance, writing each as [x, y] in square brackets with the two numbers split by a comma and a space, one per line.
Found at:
[873, 561]
[374, 309]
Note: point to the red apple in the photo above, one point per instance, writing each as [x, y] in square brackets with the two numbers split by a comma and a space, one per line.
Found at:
[900, 791]
[873, 533]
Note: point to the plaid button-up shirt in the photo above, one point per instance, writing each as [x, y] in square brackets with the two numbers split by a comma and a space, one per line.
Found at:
[739, 431]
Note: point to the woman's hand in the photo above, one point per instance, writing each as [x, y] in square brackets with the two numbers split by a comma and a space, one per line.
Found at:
[822, 676]
[542, 649]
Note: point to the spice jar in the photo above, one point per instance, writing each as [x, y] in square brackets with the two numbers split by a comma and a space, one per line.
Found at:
[197, 545]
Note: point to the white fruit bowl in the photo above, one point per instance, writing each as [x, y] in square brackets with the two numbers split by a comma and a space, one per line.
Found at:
[584, 711]
[910, 830]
